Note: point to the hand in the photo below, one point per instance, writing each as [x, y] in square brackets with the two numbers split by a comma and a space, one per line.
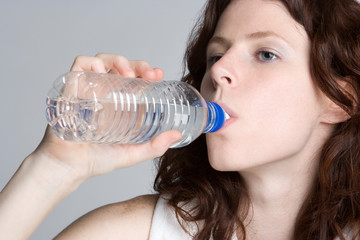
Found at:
[87, 160]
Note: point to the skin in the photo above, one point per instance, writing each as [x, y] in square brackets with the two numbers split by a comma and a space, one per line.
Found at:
[258, 70]
[57, 168]
[279, 122]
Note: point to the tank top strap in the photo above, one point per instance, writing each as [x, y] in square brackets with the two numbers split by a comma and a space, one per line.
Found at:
[165, 224]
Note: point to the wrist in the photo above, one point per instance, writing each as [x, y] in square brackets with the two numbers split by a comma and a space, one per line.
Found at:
[35, 189]
[50, 174]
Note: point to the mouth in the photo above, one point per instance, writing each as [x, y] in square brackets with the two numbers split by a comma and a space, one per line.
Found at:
[230, 116]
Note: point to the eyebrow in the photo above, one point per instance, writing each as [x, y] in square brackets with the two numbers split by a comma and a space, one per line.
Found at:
[251, 36]
[265, 34]
[220, 40]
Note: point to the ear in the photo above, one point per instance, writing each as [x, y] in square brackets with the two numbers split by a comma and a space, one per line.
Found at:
[333, 113]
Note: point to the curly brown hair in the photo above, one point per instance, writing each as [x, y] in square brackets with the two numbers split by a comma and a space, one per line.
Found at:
[333, 27]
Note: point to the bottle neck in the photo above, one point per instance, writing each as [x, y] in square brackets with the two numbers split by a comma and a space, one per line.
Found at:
[216, 117]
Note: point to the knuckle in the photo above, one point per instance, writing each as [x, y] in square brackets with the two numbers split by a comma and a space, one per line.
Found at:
[100, 55]
[120, 59]
[79, 58]
[97, 60]
[143, 64]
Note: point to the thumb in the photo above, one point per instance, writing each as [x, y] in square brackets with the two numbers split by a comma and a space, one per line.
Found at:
[165, 140]
[157, 146]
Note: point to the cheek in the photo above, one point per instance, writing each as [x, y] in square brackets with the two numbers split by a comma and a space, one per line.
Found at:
[206, 88]
[285, 113]
[275, 122]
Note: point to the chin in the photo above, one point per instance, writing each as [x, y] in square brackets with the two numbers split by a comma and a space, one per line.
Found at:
[218, 156]
[226, 157]
[231, 162]
[221, 163]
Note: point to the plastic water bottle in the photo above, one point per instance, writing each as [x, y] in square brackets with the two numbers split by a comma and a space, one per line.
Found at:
[108, 108]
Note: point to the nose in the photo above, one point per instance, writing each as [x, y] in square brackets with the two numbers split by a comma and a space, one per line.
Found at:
[221, 72]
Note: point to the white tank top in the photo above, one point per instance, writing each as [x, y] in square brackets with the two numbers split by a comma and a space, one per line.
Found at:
[165, 225]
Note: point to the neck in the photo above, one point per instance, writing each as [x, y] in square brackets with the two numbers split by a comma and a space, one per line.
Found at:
[277, 192]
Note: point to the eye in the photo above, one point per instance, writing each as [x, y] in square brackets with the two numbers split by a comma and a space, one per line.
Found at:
[213, 59]
[266, 56]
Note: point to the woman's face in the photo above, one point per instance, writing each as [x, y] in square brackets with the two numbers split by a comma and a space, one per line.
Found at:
[258, 70]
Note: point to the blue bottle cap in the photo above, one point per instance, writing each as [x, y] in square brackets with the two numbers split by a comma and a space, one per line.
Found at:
[216, 117]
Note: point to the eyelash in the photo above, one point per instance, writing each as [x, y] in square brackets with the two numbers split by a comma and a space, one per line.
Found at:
[214, 58]
[274, 57]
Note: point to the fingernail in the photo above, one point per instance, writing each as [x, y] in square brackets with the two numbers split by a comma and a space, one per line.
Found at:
[174, 141]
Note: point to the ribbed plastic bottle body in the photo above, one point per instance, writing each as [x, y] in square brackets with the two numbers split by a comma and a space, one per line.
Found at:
[106, 108]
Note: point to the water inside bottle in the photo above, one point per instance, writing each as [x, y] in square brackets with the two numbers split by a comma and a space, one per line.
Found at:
[107, 121]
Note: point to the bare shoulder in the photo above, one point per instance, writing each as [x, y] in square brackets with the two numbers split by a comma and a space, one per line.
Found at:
[124, 220]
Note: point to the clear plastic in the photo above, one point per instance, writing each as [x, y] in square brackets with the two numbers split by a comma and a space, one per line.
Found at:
[107, 108]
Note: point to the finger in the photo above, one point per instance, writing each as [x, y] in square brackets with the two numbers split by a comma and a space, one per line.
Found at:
[141, 68]
[87, 63]
[155, 74]
[117, 64]
[159, 73]
[138, 68]
[144, 70]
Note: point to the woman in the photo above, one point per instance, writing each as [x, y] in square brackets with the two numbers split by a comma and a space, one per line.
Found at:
[285, 166]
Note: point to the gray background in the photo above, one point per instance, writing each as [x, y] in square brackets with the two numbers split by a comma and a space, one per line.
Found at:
[38, 42]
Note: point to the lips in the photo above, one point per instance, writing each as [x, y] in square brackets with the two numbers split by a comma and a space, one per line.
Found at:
[229, 111]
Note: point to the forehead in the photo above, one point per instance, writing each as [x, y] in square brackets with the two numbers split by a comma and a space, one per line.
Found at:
[243, 17]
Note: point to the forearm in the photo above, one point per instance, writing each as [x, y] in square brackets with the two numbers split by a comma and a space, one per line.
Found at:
[35, 189]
